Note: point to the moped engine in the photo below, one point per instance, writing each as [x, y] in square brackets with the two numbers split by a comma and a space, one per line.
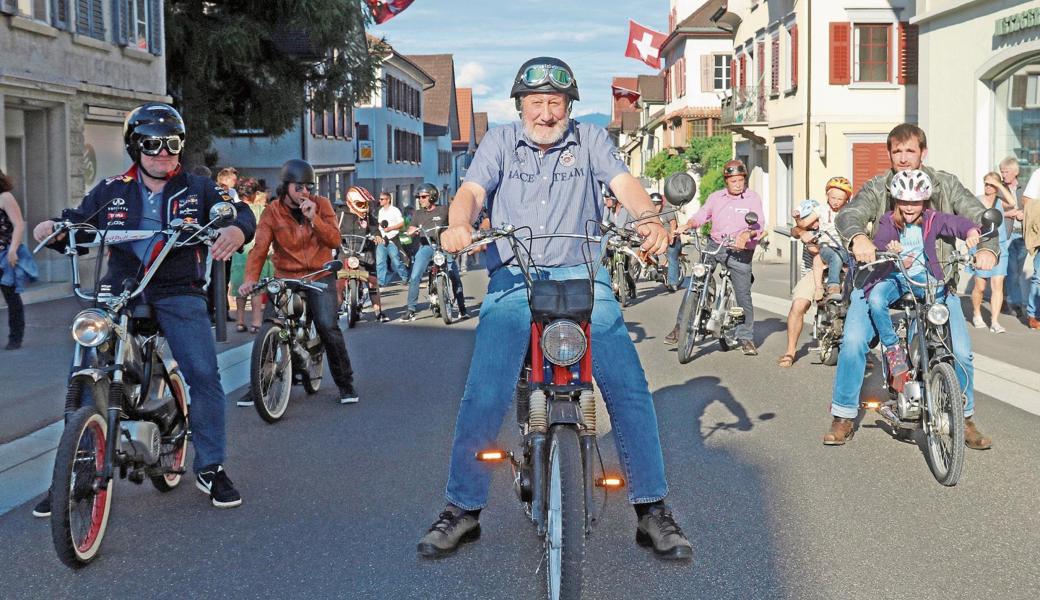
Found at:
[908, 402]
[145, 442]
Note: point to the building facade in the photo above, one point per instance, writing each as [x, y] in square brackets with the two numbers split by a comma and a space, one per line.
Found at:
[440, 122]
[986, 55]
[69, 73]
[798, 122]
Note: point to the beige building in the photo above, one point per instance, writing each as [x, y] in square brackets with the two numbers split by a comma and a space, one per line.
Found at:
[69, 73]
[816, 88]
[980, 85]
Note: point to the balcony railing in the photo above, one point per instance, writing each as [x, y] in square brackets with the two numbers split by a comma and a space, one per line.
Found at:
[747, 105]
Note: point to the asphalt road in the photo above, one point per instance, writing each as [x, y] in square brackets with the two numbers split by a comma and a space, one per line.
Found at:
[336, 497]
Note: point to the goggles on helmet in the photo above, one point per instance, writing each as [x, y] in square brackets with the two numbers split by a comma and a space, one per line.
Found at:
[152, 146]
[537, 75]
[734, 170]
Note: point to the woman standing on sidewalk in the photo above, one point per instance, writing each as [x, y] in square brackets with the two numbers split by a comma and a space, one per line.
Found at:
[16, 263]
[248, 192]
[995, 195]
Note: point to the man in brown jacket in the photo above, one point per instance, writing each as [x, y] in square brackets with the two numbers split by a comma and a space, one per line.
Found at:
[302, 229]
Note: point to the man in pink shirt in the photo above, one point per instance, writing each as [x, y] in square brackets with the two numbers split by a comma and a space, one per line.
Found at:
[726, 210]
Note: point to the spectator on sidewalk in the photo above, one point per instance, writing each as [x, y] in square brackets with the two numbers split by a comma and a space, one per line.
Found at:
[995, 195]
[249, 194]
[1031, 235]
[1015, 283]
[16, 262]
[391, 215]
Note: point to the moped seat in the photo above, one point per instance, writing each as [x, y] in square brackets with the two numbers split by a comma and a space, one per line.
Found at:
[907, 300]
[568, 299]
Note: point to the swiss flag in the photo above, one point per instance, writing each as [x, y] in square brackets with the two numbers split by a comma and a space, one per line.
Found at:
[384, 10]
[644, 44]
[620, 92]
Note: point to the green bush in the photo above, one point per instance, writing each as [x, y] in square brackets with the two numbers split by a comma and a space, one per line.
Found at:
[663, 164]
[711, 181]
[710, 152]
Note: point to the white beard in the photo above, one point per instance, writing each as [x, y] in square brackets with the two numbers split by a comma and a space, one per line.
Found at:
[549, 138]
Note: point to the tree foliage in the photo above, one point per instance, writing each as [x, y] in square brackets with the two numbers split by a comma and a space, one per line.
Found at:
[247, 63]
[708, 154]
[663, 164]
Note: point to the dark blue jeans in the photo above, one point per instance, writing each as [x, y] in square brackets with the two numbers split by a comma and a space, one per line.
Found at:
[419, 263]
[321, 306]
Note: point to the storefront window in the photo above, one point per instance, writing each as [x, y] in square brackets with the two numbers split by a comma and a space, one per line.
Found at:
[1017, 118]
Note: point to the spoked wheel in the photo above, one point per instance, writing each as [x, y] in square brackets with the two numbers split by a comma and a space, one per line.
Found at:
[174, 448]
[353, 302]
[944, 430]
[689, 325]
[565, 523]
[314, 370]
[621, 284]
[270, 373]
[80, 501]
[443, 301]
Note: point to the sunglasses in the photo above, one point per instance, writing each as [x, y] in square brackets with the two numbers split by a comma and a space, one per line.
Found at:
[536, 75]
[423, 196]
[299, 187]
[152, 146]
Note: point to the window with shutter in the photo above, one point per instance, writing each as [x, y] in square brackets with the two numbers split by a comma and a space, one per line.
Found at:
[707, 73]
[90, 19]
[60, 14]
[155, 27]
[794, 57]
[868, 160]
[873, 52]
[389, 144]
[841, 53]
[122, 21]
[775, 55]
[907, 53]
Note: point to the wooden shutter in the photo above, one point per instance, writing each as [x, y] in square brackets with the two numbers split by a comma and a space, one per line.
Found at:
[775, 51]
[155, 27]
[761, 62]
[794, 56]
[1019, 85]
[841, 53]
[743, 70]
[667, 85]
[389, 144]
[60, 14]
[707, 73]
[908, 36]
[121, 24]
[868, 160]
[8, 7]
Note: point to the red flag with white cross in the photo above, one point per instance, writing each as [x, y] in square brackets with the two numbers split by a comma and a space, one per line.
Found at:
[620, 92]
[644, 44]
[384, 10]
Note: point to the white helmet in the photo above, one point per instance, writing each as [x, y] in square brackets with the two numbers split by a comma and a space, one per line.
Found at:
[910, 186]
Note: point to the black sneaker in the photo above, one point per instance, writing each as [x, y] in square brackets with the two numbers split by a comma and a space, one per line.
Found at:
[657, 529]
[43, 507]
[349, 396]
[213, 480]
[245, 400]
[452, 528]
[408, 316]
[382, 318]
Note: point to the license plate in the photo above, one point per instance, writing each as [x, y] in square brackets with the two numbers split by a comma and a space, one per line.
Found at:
[353, 274]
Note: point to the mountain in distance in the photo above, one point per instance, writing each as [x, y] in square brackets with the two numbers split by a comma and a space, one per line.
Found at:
[595, 118]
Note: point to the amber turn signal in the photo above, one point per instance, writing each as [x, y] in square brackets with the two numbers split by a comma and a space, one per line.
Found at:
[610, 482]
[492, 455]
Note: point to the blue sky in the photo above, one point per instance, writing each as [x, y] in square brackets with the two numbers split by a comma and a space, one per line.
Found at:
[491, 38]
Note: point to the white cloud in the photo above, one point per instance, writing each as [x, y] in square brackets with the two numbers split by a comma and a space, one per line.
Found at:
[499, 110]
[472, 75]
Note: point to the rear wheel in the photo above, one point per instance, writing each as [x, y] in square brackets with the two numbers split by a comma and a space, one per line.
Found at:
[314, 370]
[80, 501]
[689, 325]
[565, 523]
[270, 373]
[174, 448]
[353, 303]
[944, 430]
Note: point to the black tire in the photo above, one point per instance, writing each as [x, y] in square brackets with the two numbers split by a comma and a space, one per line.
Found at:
[443, 302]
[270, 373]
[174, 446]
[829, 354]
[353, 302]
[689, 325]
[565, 517]
[944, 431]
[79, 512]
[314, 370]
[621, 284]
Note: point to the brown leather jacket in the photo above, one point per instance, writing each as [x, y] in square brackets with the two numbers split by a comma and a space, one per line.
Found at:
[299, 248]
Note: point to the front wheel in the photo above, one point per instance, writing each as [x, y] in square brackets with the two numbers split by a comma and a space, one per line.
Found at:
[829, 354]
[621, 283]
[80, 500]
[689, 325]
[270, 373]
[944, 430]
[353, 302]
[565, 523]
[440, 285]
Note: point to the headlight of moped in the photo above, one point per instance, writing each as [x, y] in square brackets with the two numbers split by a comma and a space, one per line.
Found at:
[439, 259]
[938, 314]
[563, 342]
[91, 327]
[274, 287]
[353, 262]
[699, 270]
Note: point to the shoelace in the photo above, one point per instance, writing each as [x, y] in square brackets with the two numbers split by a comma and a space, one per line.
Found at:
[445, 522]
[666, 523]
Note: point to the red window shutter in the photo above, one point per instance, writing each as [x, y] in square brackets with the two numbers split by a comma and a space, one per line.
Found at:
[667, 85]
[841, 53]
[775, 50]
[868, 160]
[794, 56]
[761, 54]
[907, 53]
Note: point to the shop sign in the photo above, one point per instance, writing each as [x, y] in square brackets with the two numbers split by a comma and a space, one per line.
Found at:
[1024, 20]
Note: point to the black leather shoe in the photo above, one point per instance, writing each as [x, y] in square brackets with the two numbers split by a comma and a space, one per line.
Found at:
[657, 529]
[452, 528]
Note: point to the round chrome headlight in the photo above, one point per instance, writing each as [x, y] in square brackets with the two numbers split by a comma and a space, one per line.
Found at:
[699, 270]
[353, 262]
[938, 314]
[439, 259]
[563, 343]
[274, 287]
[91, 327]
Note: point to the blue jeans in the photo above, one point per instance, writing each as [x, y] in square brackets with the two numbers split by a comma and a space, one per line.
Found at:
[382, 252]
[185, 324]
[832, 258]
[498, 355]
[1033, 293]
[884, 293]
[674, 250]
[855, 343]
[419, 263]
[1015, 281]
